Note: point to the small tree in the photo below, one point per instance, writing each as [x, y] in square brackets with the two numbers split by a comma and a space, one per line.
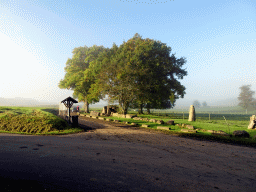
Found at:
[204, 104]
[196, 104]
[245, 97]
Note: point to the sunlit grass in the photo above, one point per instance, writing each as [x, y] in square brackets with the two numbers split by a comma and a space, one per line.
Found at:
[229, 124]
[33, 121]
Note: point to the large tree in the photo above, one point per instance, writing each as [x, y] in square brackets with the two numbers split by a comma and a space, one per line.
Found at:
[196, 103]
[156, 85]
[76, 77]
[245, 97]
[140, 72]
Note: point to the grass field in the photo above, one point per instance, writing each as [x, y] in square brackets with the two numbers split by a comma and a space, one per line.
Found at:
[222, 119]
[34, 121]
[44, 121]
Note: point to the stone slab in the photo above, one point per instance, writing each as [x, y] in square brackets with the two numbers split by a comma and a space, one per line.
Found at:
[188, 130]
[101, 118]
[109, 120]
[166, 128]
[129, 116]
[190, 127]
[144, 125]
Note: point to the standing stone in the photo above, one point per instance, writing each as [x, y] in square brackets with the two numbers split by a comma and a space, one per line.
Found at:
[104, 110]
[192, 114]
[252, 123]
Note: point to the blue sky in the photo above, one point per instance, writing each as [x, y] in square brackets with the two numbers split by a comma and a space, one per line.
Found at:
[217, 38]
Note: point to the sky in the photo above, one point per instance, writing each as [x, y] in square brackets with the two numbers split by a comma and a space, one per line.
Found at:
[217, 38]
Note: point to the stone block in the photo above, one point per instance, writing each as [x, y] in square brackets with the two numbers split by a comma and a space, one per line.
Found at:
[115, 114]
[241, 134]
[109, 119]
[130, 116]
[145, 119]
[144, 125]
[153, 120]
[134, 124]
[94, 117]
[166, 128]
[126, 122]
[137, 118]
[101, 118]
[190, 127]
[94, 113]
[171, 122]
[82, 115]
[188, 130]
[160, 122]
[116, 121]
[121, 115]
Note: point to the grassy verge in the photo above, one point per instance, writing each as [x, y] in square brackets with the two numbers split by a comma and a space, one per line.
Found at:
[202, 124]
[34, 121]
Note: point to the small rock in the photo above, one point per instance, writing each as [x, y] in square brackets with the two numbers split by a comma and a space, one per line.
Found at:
[190, 127]
[166, 128]
[239, 133]
[152, 120]
[129, 116]
[160, 122]
[187, 130]
[171, 122]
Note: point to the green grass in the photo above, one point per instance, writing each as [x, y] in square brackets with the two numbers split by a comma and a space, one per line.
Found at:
[34, 121]
[230, 123]
[44, 121]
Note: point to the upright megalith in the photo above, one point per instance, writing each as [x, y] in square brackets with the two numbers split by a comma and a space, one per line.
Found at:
[192, 114]
[252, 123]
[104, 110]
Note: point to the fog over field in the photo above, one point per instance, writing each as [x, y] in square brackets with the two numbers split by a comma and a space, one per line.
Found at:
[38, 37]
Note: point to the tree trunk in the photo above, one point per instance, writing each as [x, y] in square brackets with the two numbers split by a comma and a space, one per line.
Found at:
[86, 106]
[148, 110]
[140, 109]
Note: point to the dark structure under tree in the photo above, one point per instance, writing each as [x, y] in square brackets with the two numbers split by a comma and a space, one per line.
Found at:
[68, 102]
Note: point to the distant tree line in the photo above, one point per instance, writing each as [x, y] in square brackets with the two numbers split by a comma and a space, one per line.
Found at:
[197, 104]
[140, 73]
[246, 99]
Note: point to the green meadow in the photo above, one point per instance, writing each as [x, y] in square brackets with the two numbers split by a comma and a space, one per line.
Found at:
[34, 121]
[227, 119]
[44, 121]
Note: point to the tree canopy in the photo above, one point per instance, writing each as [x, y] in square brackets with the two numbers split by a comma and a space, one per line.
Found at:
[245, 97]
[77, 75]
[138, 73]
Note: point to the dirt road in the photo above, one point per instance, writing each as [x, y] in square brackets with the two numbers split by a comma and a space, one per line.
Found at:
[116, 157]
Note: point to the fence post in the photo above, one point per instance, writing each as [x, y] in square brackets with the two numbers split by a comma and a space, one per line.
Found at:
[183, 115]
[209, 117]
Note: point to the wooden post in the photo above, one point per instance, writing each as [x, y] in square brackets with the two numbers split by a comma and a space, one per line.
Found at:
[209, 117]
